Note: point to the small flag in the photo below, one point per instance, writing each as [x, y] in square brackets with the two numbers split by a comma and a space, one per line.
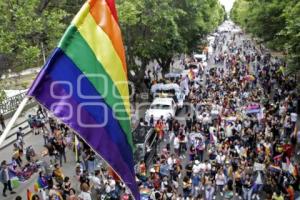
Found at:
[58, 196]
[29, 195]
[41, 183]
[191, 74]
[36, 187]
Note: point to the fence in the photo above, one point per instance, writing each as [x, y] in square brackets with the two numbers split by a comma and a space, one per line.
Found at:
[9, 105]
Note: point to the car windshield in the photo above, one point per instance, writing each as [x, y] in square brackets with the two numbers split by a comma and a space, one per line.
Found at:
[160, 106]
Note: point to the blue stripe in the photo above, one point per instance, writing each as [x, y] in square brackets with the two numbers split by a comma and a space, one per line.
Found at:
[66, 70]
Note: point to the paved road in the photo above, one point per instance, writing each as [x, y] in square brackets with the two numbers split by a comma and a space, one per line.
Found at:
[37, 142]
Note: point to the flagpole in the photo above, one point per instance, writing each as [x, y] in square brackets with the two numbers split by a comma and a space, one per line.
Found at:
[13, 119]
[76, 148]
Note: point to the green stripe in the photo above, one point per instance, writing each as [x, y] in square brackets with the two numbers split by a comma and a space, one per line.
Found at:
[78, 50]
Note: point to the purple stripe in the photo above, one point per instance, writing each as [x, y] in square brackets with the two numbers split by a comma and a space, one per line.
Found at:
[97, 137]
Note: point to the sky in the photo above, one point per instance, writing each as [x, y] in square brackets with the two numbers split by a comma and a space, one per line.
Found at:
[227, 3]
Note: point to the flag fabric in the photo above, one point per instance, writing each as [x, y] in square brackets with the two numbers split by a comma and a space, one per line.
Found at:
[84, 84]
[191, 74]
[41, 183]
[36, 187]
[29, 195]
[57, 196]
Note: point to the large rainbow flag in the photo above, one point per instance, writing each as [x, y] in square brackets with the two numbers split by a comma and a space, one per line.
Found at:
[84, 84]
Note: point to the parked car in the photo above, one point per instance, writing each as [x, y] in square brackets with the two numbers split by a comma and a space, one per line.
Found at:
[146, 141]
[161, 107]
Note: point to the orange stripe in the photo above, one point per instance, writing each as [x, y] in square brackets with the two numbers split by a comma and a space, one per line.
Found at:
[103, 17]
[112, 6]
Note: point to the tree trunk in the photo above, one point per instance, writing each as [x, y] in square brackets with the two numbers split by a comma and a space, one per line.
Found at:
[165, 65]
[43, 5]
[138, 79]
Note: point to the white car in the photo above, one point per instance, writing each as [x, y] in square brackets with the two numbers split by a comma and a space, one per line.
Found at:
[200, 57]
[169, 90]
[165, 107]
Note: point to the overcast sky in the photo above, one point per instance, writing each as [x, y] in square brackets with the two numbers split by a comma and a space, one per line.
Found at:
[227, 3]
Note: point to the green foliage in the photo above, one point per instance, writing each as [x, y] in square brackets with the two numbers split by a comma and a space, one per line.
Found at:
[292, 34]
[24, 26]
[152, 30]
[2, 95]
[159, 30]
[276, 22]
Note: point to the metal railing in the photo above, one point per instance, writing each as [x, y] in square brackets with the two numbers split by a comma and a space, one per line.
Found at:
[10, 104]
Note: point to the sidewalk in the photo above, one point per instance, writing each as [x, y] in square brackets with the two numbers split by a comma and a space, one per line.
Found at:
[21, 122]
[37, 142]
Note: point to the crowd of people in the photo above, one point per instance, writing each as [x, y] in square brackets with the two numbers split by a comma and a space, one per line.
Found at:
[238, 139]
[244, 119]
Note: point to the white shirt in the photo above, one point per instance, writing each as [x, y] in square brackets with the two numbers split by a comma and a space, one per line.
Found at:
[212, 129]
[220, 158]
[170, 161]
[95, 181]
[206, 120]
[220, 179]
[258, 179]
[196, 169]
[228, 131]
[208, 167]
[176, 143]
[293, 117]
[85, 196]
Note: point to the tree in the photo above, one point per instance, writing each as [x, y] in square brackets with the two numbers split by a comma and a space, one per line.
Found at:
[291, 32]
[157, 31]
[2, 95]
[201, 18]
[151, 32]
[276, 22]
[24, 26]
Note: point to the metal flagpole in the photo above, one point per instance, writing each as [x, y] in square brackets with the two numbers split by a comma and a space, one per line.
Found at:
[13, 119]
[76, 148]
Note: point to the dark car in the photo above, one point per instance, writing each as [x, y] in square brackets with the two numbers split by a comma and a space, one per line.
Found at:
[146, 141]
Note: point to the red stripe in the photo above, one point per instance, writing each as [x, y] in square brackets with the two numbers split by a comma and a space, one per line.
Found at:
[111, 4]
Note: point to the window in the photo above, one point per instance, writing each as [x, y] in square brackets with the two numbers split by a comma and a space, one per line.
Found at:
[160, 106]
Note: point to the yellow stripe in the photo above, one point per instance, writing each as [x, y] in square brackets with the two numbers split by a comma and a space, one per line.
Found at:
[104, 51]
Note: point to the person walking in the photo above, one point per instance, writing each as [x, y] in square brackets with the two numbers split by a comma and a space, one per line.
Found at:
[61, 148]
[5, 179]
[220, 181]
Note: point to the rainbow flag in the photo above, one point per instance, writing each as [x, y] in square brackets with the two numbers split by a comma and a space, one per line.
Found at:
[41, 183]
[58, 196]
[29, 195]
[84, 84]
